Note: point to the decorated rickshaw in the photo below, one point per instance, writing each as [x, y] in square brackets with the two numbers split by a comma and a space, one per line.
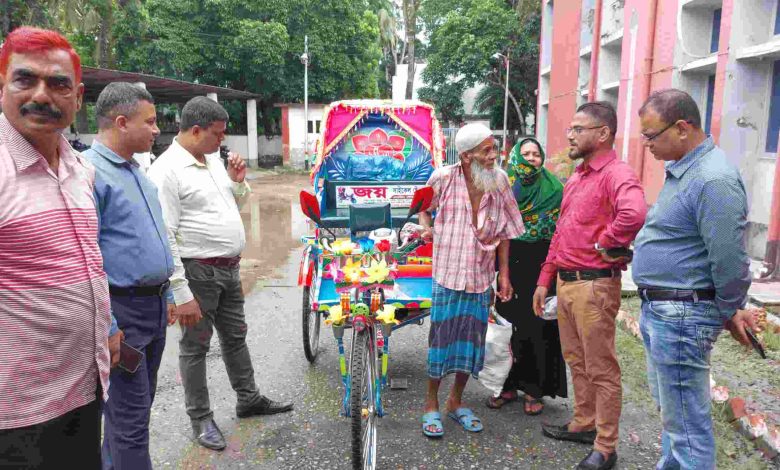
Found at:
[361, 272]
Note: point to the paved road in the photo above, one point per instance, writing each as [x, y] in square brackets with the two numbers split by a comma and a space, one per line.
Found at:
[314, 436]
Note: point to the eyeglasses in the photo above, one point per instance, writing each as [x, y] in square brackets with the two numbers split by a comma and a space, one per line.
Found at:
[650, 138]
[578, 129]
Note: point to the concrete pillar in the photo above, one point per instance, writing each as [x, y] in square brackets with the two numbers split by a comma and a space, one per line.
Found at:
[251, 129]
[212, 96]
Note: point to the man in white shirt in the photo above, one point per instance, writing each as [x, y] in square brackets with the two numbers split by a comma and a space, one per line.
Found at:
[200, 201]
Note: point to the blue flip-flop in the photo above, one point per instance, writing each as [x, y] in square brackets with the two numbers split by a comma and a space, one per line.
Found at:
[432, 418]
[466, 418]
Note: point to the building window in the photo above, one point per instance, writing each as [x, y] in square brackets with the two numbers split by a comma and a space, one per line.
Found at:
[715, 40]
[314, 127]
[777, 19]
[710, 102]
[774, 111]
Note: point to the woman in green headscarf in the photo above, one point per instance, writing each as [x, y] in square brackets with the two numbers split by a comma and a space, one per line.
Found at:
[539, 369]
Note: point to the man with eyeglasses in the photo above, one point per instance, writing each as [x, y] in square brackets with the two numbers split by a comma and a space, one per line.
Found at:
[603, 208]
[692, 271]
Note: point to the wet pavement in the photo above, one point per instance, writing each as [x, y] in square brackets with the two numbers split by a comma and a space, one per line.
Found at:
[314, 436]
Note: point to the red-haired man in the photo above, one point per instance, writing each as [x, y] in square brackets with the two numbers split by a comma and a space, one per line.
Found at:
[55, 350]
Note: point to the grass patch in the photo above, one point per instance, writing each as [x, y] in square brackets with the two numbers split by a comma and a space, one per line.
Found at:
[771, 340]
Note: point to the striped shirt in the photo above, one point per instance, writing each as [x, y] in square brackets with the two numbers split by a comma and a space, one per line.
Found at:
[464, 257]
[54, 303]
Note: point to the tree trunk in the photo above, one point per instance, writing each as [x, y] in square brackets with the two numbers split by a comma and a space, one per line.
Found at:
[37, 17]
[103, 49]
[410, 19]
[6, 17]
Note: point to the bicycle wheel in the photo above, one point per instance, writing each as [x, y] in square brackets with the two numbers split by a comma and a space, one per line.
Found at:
[311, 327]
[363, 400]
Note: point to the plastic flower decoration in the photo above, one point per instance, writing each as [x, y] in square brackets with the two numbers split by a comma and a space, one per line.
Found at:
[352, 271]
[336, 316]
[342, 247]
[377, 272]
[387, 315]
[335, 273]
[383, 246]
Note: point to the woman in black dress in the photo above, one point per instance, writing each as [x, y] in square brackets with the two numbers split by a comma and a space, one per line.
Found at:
[539, 369]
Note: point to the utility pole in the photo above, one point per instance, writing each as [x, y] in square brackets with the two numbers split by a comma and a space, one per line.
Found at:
[305, 62]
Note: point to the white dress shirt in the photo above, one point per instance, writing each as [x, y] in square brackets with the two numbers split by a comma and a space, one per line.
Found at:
[144, 160]
[201, 208]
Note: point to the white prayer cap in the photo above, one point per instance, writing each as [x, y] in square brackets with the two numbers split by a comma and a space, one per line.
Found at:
[471, 135]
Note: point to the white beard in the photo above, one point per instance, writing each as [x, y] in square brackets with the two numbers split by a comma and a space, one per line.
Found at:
[484, 179]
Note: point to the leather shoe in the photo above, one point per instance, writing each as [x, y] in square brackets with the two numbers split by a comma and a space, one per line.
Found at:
[597, 461]
[262, 406]
[562, 433]
[208, 434]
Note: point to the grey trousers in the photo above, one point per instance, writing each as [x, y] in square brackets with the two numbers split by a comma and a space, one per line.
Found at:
[221, 299]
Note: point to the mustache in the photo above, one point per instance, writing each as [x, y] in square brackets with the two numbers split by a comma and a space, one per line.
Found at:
[43, 109]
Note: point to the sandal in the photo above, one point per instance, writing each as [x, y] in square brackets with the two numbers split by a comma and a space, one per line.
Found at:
[466, 418]
[432, 418]
[501, 400]
[533, 401]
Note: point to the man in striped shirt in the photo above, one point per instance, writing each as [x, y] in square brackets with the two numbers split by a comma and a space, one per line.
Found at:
[54, 303]
[476, 217]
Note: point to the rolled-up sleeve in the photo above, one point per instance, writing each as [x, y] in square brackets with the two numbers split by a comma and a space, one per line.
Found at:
[514, 226]
[721, 215]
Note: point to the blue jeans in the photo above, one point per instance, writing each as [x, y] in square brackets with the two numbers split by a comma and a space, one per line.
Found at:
[678, 338]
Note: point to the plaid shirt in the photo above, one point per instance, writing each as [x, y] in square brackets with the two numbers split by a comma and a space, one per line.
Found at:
[464, 257]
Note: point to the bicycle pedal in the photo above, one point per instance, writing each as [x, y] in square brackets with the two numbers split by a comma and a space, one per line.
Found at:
[399, 383]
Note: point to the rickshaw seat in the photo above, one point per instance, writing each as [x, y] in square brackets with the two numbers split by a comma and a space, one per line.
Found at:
[367, 217]
[339, 218]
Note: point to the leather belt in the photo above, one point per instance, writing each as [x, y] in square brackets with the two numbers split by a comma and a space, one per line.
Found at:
[587, 274]
[140, 291]
[218, 262]
[680, 295]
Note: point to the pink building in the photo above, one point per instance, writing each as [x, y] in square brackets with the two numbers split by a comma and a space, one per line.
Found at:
[725, 53]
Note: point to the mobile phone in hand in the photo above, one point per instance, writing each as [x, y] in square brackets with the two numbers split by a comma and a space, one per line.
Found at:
[756, 345]
[129, 358]
[620, 252]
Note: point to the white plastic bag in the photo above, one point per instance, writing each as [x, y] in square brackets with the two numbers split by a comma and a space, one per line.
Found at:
[498, 355]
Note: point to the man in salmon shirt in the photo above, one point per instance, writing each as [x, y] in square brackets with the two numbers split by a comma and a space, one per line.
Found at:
[603, 209]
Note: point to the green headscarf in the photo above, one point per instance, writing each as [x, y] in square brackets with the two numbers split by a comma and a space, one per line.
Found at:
[538, 194]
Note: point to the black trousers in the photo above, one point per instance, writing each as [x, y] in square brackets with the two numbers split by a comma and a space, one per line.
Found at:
[68, 441]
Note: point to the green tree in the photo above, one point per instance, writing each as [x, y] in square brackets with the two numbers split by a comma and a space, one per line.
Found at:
[464, 36]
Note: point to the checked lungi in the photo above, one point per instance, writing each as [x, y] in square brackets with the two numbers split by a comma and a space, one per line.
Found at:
[458, 327]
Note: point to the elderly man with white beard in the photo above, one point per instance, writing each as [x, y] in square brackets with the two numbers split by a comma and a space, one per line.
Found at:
[476, 217]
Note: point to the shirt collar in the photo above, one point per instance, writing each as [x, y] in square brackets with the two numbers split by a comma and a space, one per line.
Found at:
[679, 167]
[110, 155]
[184, 157]
[598, 161]
[22, 151]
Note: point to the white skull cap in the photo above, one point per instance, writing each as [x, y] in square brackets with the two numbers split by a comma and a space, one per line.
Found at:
[471, 135]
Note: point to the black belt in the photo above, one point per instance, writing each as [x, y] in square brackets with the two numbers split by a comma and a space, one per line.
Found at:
[587, 274]
[140, 291]
[680, 295]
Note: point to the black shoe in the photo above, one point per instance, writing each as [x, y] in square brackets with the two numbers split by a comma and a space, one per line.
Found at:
[596, 461]
[262, 406]
[562, 433]
[208, 434]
